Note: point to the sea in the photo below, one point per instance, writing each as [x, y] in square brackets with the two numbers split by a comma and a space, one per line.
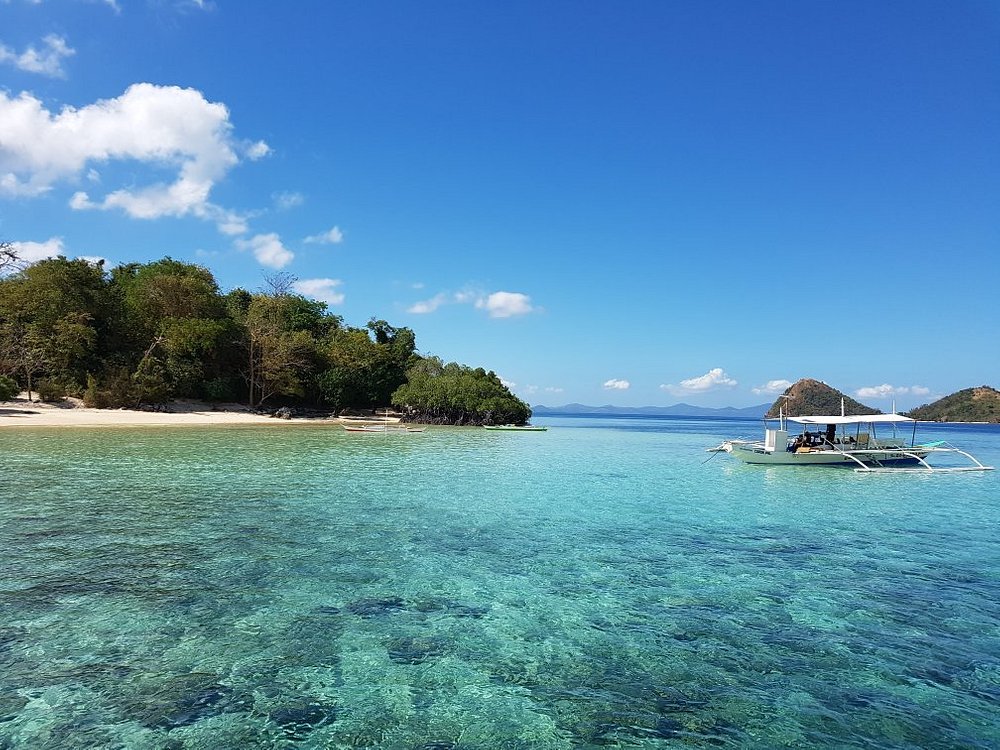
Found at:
[605, 584]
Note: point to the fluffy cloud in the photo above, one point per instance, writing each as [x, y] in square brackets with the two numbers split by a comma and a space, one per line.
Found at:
[160, 126]
[324, 290]
[268, 250]
[497, 304]
[772, 387]
[30, 252]
[505, 304]
[330, 237]
[46, 62]
[617, 385]
[712, 380]
[889, 391]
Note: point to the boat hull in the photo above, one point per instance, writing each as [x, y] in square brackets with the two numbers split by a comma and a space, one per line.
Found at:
[752, 454]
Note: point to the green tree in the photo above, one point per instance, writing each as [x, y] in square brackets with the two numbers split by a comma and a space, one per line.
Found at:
[279, 358]
[456, 394]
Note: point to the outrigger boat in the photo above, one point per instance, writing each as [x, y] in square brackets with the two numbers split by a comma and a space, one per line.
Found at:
[383, 428]
[851, 441]
[516, 427]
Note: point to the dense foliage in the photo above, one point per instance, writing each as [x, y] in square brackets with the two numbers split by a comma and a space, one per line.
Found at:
[970, 405]
[438, 393]
[145, 333]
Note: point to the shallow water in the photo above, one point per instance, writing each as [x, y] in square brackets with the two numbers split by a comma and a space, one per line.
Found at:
[604, 584]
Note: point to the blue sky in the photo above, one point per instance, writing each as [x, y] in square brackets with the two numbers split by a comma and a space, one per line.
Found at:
[630, 203]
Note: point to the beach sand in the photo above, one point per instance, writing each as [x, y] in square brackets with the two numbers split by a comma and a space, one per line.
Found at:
[71, 413]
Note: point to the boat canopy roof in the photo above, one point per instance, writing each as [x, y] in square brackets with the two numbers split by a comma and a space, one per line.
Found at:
[853, 419]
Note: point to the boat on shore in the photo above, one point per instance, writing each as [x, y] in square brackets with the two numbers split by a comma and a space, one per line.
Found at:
[383, 428]
[515, 427]
[860, 442]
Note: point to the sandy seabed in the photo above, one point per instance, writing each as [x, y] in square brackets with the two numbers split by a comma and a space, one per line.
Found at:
[71, 413]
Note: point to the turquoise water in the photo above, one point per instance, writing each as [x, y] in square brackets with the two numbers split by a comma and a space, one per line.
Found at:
[599, 585]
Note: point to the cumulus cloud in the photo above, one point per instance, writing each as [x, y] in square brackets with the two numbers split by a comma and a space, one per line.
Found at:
[46, 61]
[712, 380]
[164, 127]
[330, 237]
[505, 304]
[497, 304]
[268, 250]
[324, 290]
[617, 385]
[30, 252]
[889, 391]
[772, 387]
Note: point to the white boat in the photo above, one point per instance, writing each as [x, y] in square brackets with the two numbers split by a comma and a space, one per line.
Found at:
[515, 427]
[383, 428]
[861, 442]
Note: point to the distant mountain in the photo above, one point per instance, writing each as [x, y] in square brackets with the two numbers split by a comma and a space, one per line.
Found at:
[970, 405]
[677, 410]
[808, 396]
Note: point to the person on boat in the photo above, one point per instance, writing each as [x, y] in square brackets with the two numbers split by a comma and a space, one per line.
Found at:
[799, 442]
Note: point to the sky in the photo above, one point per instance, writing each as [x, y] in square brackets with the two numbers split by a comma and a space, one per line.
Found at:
[639, 203]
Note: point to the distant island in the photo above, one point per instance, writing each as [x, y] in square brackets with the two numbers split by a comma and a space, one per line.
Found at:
[805, 397]
[677, 410]
[980, 404]
[809, 396]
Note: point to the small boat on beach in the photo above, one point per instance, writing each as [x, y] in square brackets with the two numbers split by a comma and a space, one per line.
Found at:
[515, 427]
[851, 441]
[394, 429]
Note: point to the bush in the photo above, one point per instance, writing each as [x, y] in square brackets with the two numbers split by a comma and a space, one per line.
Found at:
[50, 391]
[8, 388]
[219, 389]
[117, 391]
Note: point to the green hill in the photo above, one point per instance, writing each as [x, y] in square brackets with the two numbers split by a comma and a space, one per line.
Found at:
[809, 396]
[980, 404]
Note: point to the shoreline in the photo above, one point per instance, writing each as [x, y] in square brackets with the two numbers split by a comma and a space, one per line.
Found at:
[20, 412]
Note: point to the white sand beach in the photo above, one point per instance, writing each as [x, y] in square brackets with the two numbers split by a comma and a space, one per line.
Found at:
[71, 413]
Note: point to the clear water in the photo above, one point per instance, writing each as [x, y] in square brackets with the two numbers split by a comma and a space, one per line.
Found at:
[599, 585]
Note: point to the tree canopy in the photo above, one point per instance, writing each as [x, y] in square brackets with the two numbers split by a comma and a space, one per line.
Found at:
[145, 333]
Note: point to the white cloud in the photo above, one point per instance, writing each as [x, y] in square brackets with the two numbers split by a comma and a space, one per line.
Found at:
[497, 304]
[268, 250]
[287, 200]
[889, 391]
[160, 126]
[712, 380]
[428, 306]
[324, 290]
[553, 389]
[46, 62]
[505, 304]
[257, 150]
[772, 387]
[30, 252]
[617, 385]
[330, 237]
[508, 384]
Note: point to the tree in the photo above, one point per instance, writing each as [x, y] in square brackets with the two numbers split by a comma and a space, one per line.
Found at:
[8, 257]
[278, 359]
[456, 394]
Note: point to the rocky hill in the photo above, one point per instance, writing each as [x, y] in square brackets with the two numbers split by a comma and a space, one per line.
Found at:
[980, 404]
[809, 396]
